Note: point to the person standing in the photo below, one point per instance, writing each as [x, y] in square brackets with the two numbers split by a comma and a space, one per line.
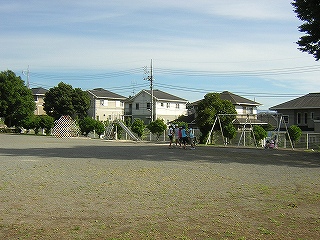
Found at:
[170, 135]
[191, 136]
[184, 137]
[176, 135]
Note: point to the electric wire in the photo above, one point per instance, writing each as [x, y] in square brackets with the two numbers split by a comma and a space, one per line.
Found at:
[178, 72]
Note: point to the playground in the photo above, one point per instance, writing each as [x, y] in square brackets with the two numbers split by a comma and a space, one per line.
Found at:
[81, 188]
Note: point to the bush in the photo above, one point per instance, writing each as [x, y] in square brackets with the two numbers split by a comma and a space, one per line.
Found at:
[157, 127]
[294, 132]
[87, 125]
[259, 133]
[46, 122]
[99, 128]
[229, 131]
[138, 127]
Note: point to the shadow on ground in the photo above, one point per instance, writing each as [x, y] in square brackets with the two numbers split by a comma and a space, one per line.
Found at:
[157, 152]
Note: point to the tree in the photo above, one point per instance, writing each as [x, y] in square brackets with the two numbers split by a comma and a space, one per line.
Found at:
[157, 127]
[259, 133]
[64, 100]
[46, 123]
[31, 122]
[229, 131]
[99, 128]
[138, 127]
[87, 125]
[294, 132]
[16, 100]
[308, 11]
[207, 110]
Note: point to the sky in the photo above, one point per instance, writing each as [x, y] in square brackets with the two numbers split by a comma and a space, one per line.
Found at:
[245, 47]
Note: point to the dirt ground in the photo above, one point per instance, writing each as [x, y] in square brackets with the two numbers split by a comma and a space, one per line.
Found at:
[93, 189]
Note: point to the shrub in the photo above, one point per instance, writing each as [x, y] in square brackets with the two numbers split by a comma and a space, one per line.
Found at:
[138, 127]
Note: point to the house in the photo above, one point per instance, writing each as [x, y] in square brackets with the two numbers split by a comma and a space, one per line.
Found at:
[303, 111]
[165, 106]
[105, 105]
[38, 95]
[246, 109]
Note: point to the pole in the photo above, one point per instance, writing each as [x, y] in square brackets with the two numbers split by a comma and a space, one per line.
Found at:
[26, 73]
[151, 88]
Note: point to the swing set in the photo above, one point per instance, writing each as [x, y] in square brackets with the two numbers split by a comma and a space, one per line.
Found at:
[276, 132]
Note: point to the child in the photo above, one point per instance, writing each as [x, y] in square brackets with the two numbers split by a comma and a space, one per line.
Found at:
[191, 136]
[170, 135]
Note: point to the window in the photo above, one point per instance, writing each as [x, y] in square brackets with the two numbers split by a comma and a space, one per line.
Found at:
[177, 105]
[286, 119]
[168, 105]
[161, 104]
[35, 98]
[148, 106]
[305, 118]
[298, 118]
[247, 110]
[104, 102]
[244, 110]
[312, 115]
[137, 106]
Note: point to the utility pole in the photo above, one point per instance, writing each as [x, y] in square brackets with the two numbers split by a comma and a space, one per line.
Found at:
[27, 73]
[150, 78]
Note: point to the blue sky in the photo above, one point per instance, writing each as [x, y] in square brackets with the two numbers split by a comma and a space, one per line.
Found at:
[246, 47]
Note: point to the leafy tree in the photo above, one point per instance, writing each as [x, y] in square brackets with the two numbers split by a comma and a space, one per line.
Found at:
[180, 123]
[308, 11]
[294, 132]
[229, 131]
[207, 110]
[36, 122]
[64, 100]
[259, 133]
[29, 122]
[16, 100]
[157, 127]
[87, 125]
[99, 127]
[138, 127]
[46, 123]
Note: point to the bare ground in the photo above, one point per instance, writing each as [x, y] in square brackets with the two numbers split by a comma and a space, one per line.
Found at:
[92, 189]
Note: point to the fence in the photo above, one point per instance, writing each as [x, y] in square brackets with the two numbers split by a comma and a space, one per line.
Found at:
[244, 138]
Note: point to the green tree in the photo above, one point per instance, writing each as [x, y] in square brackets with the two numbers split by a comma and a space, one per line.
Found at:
[29, 122]
[16, 100]
[229, 131]
[46, 123]
[157, 127]
[207, 110]
[138, 127]
[259, 133]
[295, 133]
[64, 100]
[308, 11]
[87, 125]
[36, 124]
[99, 127]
